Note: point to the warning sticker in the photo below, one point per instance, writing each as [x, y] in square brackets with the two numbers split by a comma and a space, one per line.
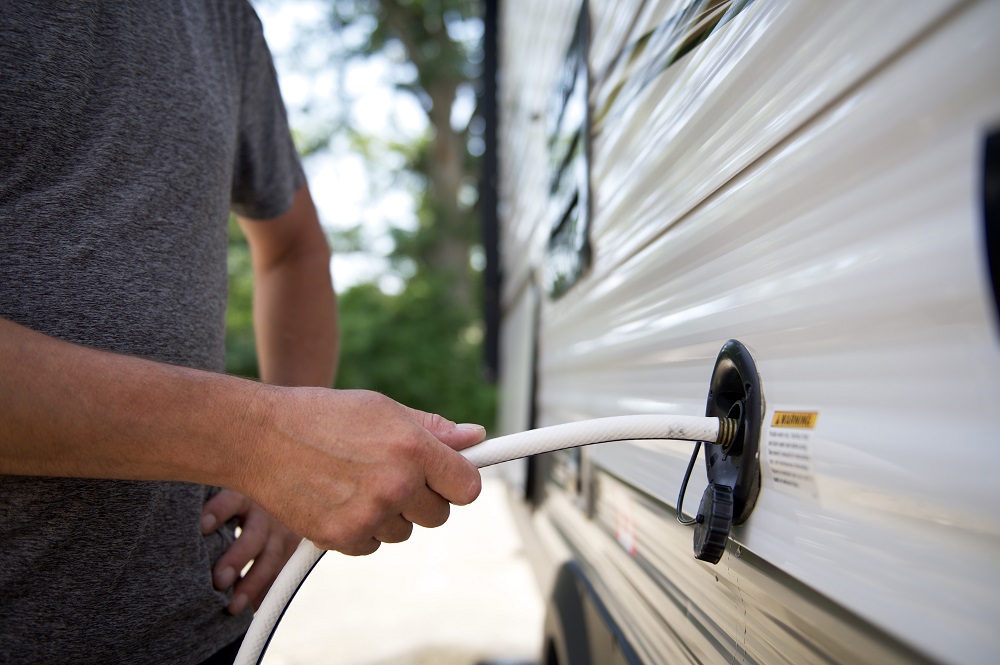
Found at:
[798, 419]
[788, 445]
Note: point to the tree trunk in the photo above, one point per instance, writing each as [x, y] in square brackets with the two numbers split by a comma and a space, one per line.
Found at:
[445, 172]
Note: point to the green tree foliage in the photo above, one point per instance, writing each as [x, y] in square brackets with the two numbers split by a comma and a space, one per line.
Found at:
[241, 351]
[435, 40]
[417, 348]
[422, 346]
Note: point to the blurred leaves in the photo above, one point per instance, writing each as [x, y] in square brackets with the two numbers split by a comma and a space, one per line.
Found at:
[420, 342]
[241, 351]
[415, 347]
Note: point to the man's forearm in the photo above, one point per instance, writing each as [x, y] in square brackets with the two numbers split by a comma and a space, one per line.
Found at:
[295, 316]
[295, 322]
[70, 410]
[342, 468]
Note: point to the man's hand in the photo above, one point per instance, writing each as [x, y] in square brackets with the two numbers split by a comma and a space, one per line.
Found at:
[262, 540]
[347, 469]
[350, 469]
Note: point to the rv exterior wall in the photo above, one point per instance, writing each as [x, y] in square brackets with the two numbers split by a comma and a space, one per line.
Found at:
[805, 180]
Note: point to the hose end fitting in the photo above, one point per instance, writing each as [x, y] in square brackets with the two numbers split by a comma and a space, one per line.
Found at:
[727, 432]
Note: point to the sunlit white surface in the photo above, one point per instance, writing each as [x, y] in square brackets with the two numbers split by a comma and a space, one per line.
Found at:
[539, 33]
[806, 181]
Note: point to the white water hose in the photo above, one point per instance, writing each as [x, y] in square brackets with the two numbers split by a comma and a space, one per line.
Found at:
[494, 451]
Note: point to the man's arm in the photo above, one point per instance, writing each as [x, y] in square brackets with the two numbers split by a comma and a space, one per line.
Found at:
[70, 410]
[295, 322]
[295, 315]
[346, 469]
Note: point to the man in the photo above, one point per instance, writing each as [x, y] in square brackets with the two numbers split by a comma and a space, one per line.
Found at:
[127, 132]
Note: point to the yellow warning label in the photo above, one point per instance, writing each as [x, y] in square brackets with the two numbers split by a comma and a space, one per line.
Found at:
[799, 419]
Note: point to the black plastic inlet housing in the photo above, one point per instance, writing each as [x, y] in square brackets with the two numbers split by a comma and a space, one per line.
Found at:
[734, 391]
[733, 470]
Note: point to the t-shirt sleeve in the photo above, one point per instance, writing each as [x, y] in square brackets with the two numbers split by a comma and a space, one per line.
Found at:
[267, 172]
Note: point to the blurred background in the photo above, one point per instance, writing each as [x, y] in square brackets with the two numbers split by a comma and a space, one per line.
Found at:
[382, 101]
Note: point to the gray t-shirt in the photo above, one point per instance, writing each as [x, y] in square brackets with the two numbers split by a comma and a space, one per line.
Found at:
[128, 130]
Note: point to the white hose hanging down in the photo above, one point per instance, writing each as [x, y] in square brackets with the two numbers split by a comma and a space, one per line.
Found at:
[494, 451]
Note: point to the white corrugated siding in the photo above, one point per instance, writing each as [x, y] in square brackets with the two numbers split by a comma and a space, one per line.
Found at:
[805, 181]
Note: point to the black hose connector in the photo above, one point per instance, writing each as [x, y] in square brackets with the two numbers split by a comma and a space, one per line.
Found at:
[735, 393]
[732, 461]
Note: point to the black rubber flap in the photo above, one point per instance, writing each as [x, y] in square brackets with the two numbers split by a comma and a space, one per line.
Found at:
[735, 393]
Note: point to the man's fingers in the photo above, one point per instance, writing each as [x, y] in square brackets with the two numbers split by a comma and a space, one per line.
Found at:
[453, 477]
[465, 435]
[363, 548]
[221, 508]
[394, 530]
[252, 541]
[427, 508]
[255, 584]
[454, 436]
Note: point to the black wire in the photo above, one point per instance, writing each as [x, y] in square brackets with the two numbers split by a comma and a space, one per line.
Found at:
[684, 485]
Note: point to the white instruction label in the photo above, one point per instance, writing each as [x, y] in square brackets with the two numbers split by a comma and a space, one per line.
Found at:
[788, 444]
